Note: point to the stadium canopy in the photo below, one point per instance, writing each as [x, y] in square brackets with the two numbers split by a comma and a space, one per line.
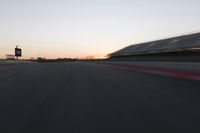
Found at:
[175, 44]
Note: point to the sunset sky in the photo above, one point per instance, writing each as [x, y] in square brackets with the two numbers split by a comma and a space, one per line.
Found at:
[81, 28]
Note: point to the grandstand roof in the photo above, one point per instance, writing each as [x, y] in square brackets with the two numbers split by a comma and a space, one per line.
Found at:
[181, 43]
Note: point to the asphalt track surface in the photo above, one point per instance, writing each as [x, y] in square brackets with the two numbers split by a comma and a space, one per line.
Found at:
[83, 97]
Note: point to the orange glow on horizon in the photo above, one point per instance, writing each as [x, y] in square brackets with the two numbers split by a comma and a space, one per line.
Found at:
[94, 57]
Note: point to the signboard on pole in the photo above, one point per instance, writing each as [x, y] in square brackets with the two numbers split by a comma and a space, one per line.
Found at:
[18, 52]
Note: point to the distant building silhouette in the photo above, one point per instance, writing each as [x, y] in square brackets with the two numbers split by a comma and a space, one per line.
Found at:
[10, 57]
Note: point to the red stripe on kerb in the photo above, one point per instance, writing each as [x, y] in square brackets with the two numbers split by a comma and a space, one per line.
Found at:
[160, 71]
